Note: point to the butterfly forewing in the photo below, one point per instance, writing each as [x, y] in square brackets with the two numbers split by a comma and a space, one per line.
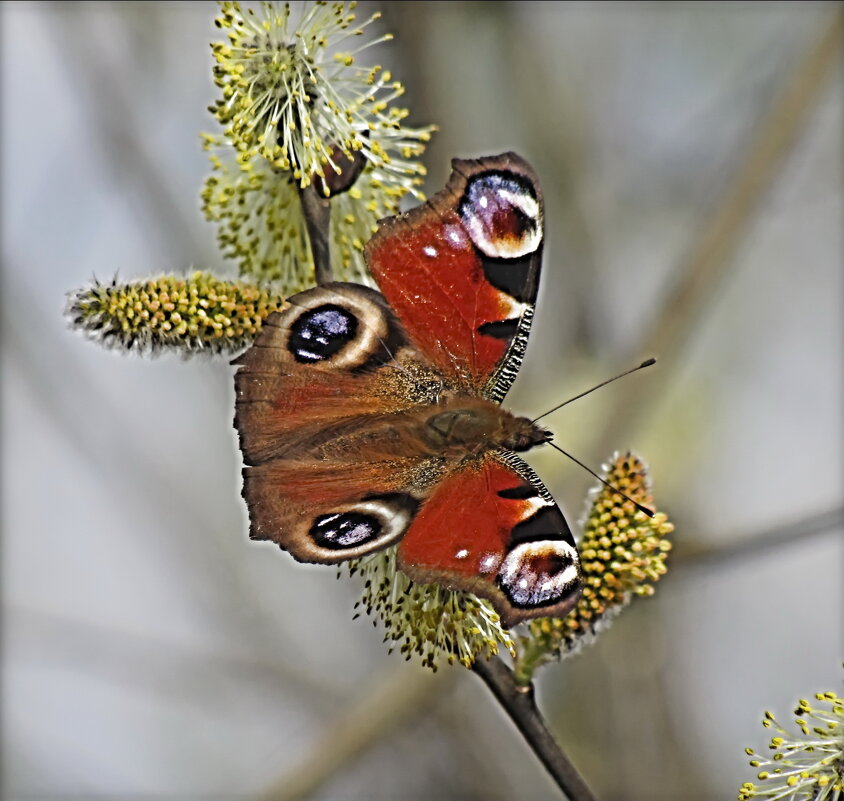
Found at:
[319, 402]
[462, 271]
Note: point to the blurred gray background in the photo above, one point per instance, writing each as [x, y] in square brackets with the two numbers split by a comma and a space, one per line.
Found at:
[691, 160]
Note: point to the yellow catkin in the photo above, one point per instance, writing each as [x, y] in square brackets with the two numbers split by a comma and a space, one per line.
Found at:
[187, 315]
[623, 553]
[801, 765]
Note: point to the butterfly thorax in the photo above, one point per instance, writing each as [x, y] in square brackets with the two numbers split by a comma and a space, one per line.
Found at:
[467, 426]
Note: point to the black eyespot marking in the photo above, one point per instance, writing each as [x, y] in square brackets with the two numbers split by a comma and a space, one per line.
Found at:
[358, 528]
[319, 333]
[346, 530]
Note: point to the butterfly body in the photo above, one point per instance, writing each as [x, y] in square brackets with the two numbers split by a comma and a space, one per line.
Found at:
[467, 427]
[372, 418]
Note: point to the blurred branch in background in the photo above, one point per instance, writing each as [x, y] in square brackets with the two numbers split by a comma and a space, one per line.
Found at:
[670, 330]
[488, 777]
[709, 256]
[392, 698]
[124, 145]
[566, 147]
[158, 667]
[733, 550]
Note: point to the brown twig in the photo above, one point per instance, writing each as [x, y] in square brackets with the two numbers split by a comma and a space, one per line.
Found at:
[519, 703]
[317, 212]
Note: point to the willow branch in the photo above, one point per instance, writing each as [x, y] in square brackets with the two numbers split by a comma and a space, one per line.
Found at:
[317, 212]
[520, 705]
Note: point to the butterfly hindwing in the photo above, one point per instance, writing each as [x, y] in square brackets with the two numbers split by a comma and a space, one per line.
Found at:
[491, 528]
[328, 514]
[462, 270]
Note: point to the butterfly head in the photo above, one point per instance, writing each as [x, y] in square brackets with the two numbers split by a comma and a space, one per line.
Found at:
[525, 434]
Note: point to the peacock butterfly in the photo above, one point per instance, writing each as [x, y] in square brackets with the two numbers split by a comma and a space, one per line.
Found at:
[372, 418]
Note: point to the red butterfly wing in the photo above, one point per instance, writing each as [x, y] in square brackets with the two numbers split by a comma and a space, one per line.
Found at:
[462, 270]
[492, 528]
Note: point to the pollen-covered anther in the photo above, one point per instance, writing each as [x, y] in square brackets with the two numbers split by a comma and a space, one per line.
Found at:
[803, 765]
[427, 620]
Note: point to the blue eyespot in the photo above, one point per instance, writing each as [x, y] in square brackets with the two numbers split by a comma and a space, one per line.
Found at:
[344, 530]
[319, 333]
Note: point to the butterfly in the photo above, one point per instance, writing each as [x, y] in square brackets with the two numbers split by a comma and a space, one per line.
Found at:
[369, 419]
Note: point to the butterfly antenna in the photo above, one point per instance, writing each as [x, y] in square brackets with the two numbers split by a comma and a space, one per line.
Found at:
[648, 512]
[646, 363]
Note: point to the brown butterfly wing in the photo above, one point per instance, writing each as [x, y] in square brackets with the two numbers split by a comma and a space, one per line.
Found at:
[322, 402]
[285, 393]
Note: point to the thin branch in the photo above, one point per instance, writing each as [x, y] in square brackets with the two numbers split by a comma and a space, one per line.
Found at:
[710, 255]
[317, 212]
[518, 701]
[738, 547]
